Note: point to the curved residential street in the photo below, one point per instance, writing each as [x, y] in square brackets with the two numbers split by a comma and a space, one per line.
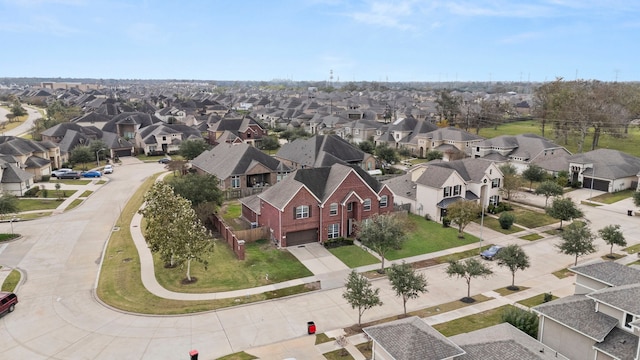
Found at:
[58, 316]
[26, 126]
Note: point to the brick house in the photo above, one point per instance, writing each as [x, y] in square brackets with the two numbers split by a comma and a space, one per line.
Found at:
[317, 204]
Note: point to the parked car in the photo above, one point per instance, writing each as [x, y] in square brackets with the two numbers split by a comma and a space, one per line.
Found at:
[8, 301]
[164, 160]
[56, 173]
[91, 174]
[491, 252]
[70, 175]
[108, 169]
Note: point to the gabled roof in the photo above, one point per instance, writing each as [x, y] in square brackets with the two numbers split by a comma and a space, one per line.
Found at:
[71, 139]
[619, 344]
[435, 176]
[226, 160]
[148, 134]
[113, 141]
[526, 146]
[13, 174]
[623, 297]
[578, 312]
[402, 186]
[609, 272]
[608, 164]
[470, 169]
[12, 145]
[412, 338]
[130, 118]
[313, 152]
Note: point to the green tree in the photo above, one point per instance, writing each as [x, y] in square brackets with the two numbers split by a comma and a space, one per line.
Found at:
[197, 188]
[173, 229]
[549, 188]
[269, 143]
[513, 258]
[406, 282]
[506, 220]
[386, 153]
[100, 148]
[17, 110]
[434, 155]
[511, 182]
[525, 321]
[367, 146]
[8, 204]
[534, 173]
[382, 233]
[468, 270]
[577, 240]
[463, 212]
[612, 235]
[360, 295]
[190, 149]
[81, 155]
[563, 209]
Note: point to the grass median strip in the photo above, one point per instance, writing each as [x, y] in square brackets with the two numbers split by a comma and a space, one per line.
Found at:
[473, 322]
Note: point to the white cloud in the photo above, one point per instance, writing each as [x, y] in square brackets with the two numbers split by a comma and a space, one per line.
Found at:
[391, 14]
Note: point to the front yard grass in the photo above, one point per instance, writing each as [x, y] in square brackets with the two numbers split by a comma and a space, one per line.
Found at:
[7, 237]
[563, 273]
[493, 224]
[425, 237]
[632, 249]
[338, 355]
[58, 194]
[73, 204]
[472, 322]
[610, 198]
[505, 291]
[532, 237]
[530, 218]
[353, 256]
[68, 182]
[37, 204]
[450, 306]
[323, 338]
[238, 356]
[263, 265]
[535, 300]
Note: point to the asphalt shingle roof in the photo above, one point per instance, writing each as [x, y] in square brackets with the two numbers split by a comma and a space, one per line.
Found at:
[620, 344]
[608, 164]
[609, 272]
[623, 297]
[226, 160]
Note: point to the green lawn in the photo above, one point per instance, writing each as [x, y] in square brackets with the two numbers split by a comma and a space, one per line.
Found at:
[226, 273]
[73, 204]
[86, 193]
[338, 355]
[69, 182]
[472, 322]
[7, 237]
[610, 198]
[323, 338]
[425, 237]
[11, 281]
[530, 218]
[531, 237]
[37, 204]
[353, 256]
[563, 273]
[55, 194]
[632, 249]
[238, 356]
[493, 224]
[505, 291]
[535, 300]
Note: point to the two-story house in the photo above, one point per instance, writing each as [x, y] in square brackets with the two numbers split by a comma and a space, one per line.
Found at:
[601, 320]
[452, 142]
[35, 157]
[322, 151]
[236, 129]
[313, 205]
[164, 138]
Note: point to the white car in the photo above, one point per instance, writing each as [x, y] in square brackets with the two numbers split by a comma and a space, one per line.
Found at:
[56, 173]
[108, 169]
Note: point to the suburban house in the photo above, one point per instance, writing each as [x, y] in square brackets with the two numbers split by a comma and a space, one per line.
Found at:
[520, 150]
[359, 130]
[34, 157]
[13, 180]
[605, 170]
[431, 187]
[412, 338]
[317, 204]
[601, 320]
[323, 151]
[402, 130]
[164, 138]
[236, 129]
[128, 124]
[240, 167]
[452, 142]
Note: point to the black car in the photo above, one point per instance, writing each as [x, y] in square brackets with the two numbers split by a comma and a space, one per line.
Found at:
[164, 160]
[70, 175]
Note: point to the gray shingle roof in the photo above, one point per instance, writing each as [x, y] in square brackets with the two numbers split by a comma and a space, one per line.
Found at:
[470, 169]
[619, 344]
[608, 164]
[434, 176]
[226, 160]
[623, 297]
[402, 186]
[313, 152]
[13, 174]
[412, 338]
[579, 313]
[609, 272]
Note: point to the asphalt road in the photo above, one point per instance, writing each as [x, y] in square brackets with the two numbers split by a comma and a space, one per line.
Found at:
[58, 316]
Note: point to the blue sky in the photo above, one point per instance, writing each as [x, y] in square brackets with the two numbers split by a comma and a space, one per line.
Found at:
[360, 40]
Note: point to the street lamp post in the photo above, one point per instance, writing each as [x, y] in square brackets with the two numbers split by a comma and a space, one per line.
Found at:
[97, 156]
[11, 222]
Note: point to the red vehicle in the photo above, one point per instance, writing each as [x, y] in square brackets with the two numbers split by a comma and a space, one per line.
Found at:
[8, 301]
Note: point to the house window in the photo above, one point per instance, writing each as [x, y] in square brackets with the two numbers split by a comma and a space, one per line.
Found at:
[383, 201]
[164, 138]
[235, 182]
[628, 319]
[302, 212]
[495, 183]
[447, 191]
[457, 190]
[333, 231]
[333, 209]
[366, 205]
[494, 200]
[350, 206]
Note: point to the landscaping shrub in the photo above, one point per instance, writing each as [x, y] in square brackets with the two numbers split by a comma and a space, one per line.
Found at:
[337, 242]
[45, 193]
[524, 320]
[33, 192]
[45, 178]
[506, 220]
[547, 297]
[446, 222]
[503, 207]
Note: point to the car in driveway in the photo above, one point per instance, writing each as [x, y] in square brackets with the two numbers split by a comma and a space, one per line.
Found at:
[164, 160]
[108, 169]
[70, 175]
[8, 301]
[92, 174]
[491, 252]
[58, 172]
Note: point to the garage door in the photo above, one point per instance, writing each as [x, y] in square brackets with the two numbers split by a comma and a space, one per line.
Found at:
[602, 185]
[302, 237]
[122, 153]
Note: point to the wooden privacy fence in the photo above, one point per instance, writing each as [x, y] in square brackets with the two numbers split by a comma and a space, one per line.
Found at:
[236, 238]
